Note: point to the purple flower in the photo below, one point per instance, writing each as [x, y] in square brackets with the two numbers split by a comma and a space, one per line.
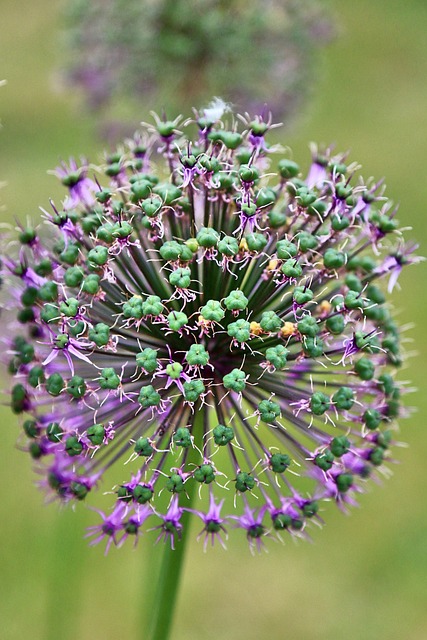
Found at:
[224, 328]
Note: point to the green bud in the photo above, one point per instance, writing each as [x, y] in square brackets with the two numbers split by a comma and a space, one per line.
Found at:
[177, 320]
[152, 306]
[265, 197]
[235, 380]
[79, 490]
[306, 241]
[143, 447]
[174, 370]
[270, 322]
[353, 282]
[148, 397]
[167, 192]
[100, 334]
[124, 494]
[207, 237]
[76, 387]
[339, 223]
[204, 474]
[212, 310]
[244, 482]
[282, 521]
[308, 326]
[182, 437]
[276, 218]
[18, 399]
[69, 307]
[91, 284]
[73, 277]
[96, 434]
[365, 369]
[343, 399]
[279, 462]
[277, 356]
[302, 295]
[236, 301]
[353, 300]
[97, 257]
[292, 268]
[31, 428]
[222, 435]
[142, 493]
[231, 139]
[319, 403]
[55, 384]
[133, 308]
[73, 446]
[109, 379]
[256, 242]
[268, 411]
[197, 356]
[384, 439]
[76, 328]
[44, 267]
[248, 174]
[35, 450]
[333, 259]
[193, 389]
[239, 330]
[376, 456]
[285, 249]
[29, 296]
[70, 254]
[313, 347]
[27, 236]
[175, 483]
[372, 419]
[335, 324]
[339, 446]
[344, 482]
[288, 169]
[48, 292]
[171, 250]
[228, 246]
[54, 433]
[180, 278]
[310, 509]
[324, 460]
[147, 359]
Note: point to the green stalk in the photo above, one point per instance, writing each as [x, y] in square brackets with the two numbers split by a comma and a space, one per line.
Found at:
[173, 560]
[65, 574]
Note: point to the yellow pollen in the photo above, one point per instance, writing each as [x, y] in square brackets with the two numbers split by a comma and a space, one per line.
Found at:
[324, 308]
[243, 246]
[272, 265]
[288, 329]
[255, 328]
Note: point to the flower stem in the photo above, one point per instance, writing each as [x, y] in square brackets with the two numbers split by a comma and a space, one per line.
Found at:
[173, 559]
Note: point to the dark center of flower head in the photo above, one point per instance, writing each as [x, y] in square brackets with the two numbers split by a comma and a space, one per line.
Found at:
[219, 327]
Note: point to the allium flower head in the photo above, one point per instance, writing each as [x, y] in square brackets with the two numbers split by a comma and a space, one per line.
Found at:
[179, 53]
[199, 310]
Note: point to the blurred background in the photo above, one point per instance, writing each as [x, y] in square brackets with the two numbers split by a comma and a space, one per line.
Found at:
[365, 576]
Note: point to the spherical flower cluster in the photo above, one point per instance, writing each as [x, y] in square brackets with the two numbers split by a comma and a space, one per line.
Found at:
[179, 53]
[208, 316]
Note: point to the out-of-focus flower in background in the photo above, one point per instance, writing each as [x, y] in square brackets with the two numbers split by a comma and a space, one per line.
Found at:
[180, 53]
[217, 322]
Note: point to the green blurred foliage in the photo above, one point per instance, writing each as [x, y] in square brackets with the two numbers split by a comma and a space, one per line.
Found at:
[365, 575]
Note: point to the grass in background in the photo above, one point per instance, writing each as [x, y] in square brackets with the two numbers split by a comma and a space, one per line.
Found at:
[365, 575]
